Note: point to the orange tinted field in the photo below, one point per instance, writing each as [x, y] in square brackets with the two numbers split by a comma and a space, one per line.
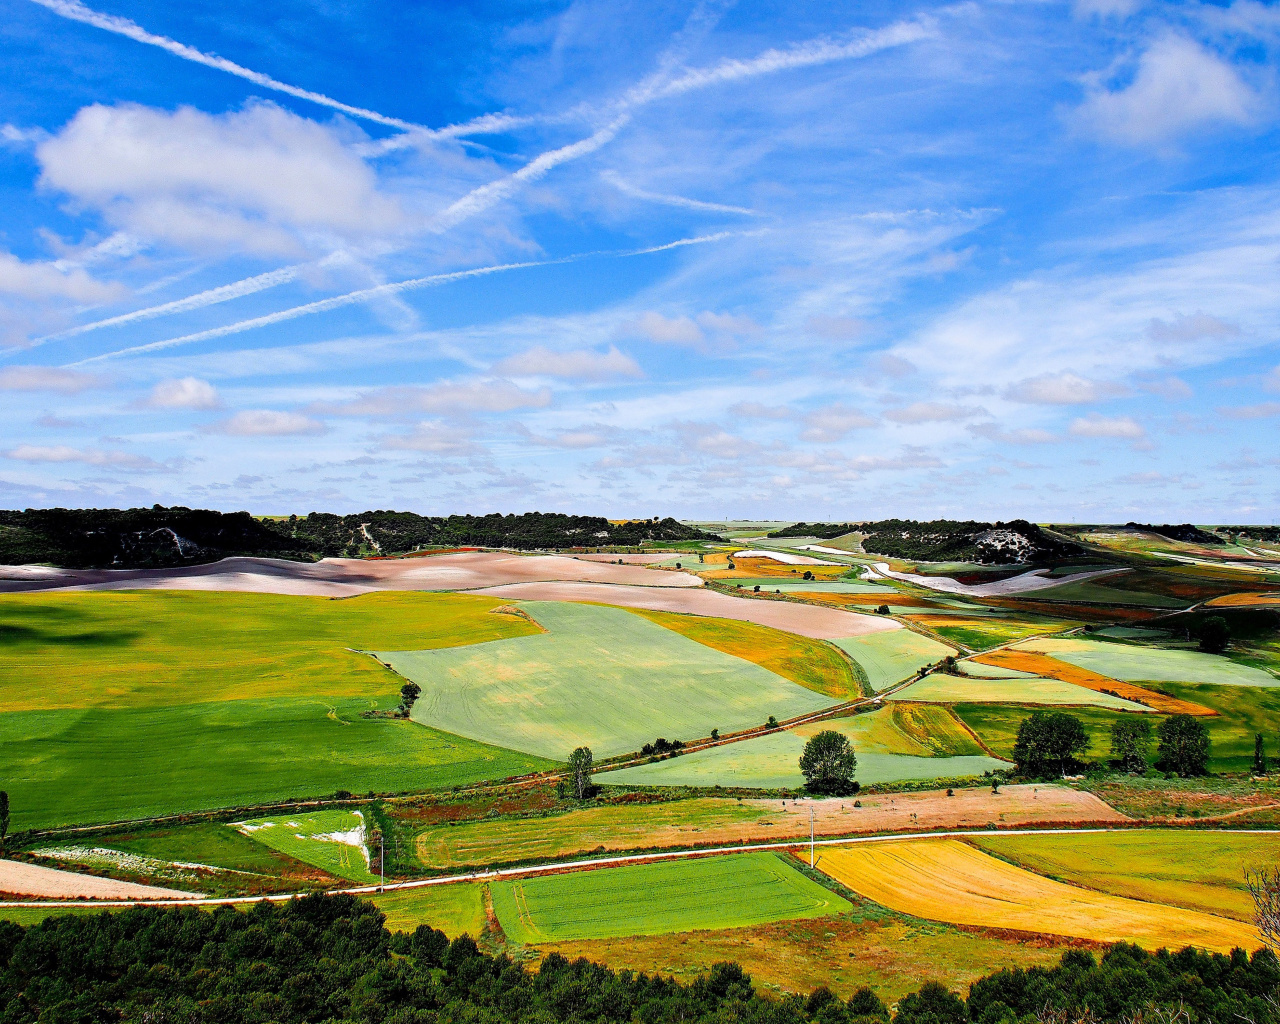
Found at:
[754, 568]
[867, 600]
[1052, 668]
[1245, 600]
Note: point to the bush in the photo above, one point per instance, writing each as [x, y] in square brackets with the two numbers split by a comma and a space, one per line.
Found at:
[1184, 746]
[933, 1004]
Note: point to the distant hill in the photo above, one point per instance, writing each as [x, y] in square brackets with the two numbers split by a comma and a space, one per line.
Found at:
[157, 537]
[1186, 533]
[947, 540]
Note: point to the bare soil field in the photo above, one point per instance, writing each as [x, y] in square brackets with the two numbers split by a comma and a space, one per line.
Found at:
[1025, 583]
[804, 619]
[346, 577]
[22, 879]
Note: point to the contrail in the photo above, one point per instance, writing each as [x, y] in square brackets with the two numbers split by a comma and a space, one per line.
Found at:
[626, 188]
[378, 291]
[76, 11]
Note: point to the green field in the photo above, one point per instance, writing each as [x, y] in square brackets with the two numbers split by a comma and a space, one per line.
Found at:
[980, 671]
[333, 841]
[1130, 662]
[997, 726]
[653, 899]
[117, 706]
[947, 689]
[982, 634]
[456, 908]
[889, 658]
[814, 587]
[1088, 592]
[600, 677]
[772, 762]
[1199, 870]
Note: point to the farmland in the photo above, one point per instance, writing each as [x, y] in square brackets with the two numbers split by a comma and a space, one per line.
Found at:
[455, 909]
[948, 880]
[941, 688]
[333, 841]
[980, 634]
[667, 896]
[599, 676]
[889, 658]
[1126, 661]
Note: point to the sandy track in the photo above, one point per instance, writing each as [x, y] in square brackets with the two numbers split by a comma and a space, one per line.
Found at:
[785, 557]
[1023, 584]
[345, 577]
[804, 619]
[34, 880]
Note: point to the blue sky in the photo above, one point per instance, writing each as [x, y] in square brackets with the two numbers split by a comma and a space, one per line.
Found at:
[819, 260]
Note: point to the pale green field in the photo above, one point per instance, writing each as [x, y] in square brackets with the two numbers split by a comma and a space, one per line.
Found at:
[600, 677]
[330, 840]
[1120, 661]
[1199, 870]
[455, 908]
[977, 670]
[817, 587]
[946, 689]
[889, 658]
[653, 899]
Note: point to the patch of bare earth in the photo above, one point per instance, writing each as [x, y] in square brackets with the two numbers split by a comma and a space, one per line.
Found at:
[1238, 801]
[32, 880]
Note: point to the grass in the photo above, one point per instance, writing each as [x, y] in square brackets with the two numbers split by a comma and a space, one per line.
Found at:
[333, 841]
[941, 688]
[651, 899]
[1091, 592]
[154, 649]
[935, 730]
[772, 761]
[118, 706]
[948, 880]
[1043, 665]
[979, 634]
[1130, 662]
[1198, 870]
[814, 664]
[889, 658]
[455, 909]
[997, 726]
[600, 677]
[102, 764]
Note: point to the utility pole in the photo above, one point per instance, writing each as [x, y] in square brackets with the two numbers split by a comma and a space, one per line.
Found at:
[382, 859]
[811, 835]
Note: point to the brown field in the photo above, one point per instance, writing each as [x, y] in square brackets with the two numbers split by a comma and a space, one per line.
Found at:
[791, 616]
[1116, 614]
[1245, 600]
[21, 879]
[948, 880]
[714, 821]
[346, 577]
[753, 568]
[890, 955]
[1043, 665]
[868, 600]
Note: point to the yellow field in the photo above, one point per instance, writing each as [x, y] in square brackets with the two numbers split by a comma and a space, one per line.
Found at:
[1199, 870]
[1234, 600]
[754, 568]
[1052, 668]
[948, 880]
[814, 664]
[455, 909]
[919, 730]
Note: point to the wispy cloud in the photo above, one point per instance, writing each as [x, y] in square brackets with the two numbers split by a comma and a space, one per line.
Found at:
[108, 459]
[614, 179]
[46, 378]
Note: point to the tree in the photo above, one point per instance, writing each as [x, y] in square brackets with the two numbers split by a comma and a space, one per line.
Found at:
[933, 1004]
[4, 817]
[409, 694]
[1264, 887]
[1130, 739]
[1048, 743]
[580, 769]
[1184, 745]
[1259, 756]
[865, 1003]
[828, 763]
[1214, 635]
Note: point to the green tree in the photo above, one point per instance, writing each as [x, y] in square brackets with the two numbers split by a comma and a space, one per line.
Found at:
[1048, 742]
[828, 763]
[1259, 756]
[1130, 740]
[4, 817]
[1184, 745]
[865, 1003]
[933, 1004]
[580, 769]
[1214, 635]
[409, 694]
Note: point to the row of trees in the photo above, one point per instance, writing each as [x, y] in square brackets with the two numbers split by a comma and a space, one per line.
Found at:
[1049, 743]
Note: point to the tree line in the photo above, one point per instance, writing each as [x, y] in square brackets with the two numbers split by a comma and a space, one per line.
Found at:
[330, 958]
[1049, 743]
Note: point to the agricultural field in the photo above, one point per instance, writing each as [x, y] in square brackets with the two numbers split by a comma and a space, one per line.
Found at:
[161, 702]
[333, 841]
[981, 634]
[997, 725]
[1200, 870]
[889, 658]
[941, 688]
[814, 664]
[665, 896]
[601, 677]
[949, 880]
[455, 909]
[1131, 662]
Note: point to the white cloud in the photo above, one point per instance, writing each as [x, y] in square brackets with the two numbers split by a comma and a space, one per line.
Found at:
[1263, 410]
[1170, 388]
[1061, 389]
[446, 398]
[833, 423]
[757, 411]
[1106, 8]
[932, 412]
[260, 179]
[46, 378]
[1183, 329]
[836, 328]
[88, 456]
[1179, 87]
[1022, 435]
[706, 330]
[1095, 425]
[580, 364]
[268, 423]
[1272, 380]
[574, 439]
[433, 438]
[47, 281]
[184, 393]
